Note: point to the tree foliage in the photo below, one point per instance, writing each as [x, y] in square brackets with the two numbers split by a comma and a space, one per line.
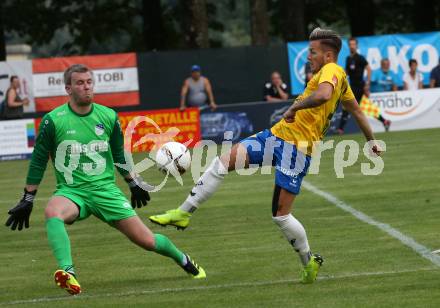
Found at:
[58, 27]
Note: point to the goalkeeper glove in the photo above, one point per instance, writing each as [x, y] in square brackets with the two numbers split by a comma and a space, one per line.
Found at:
[139, 191]
[20, 214]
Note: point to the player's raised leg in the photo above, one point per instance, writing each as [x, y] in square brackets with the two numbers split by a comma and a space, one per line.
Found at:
[205, 187]
[295, 233]
[61, 210]
[139, 234]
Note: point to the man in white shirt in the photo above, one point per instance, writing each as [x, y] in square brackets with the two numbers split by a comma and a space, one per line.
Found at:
[412, 80]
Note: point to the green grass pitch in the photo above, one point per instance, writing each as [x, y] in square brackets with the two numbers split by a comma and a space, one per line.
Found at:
[248, 262]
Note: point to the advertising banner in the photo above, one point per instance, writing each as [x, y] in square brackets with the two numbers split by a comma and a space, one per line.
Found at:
[398, 48]
[116, 80]
[17, 138]
[408, 109]
[22, 69]
[244, 120]
[148, 130]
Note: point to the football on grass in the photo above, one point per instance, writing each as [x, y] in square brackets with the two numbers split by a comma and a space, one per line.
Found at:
[173, 157]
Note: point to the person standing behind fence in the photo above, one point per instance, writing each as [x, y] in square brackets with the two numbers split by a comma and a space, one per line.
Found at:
[197, 91]
[383, 80]
[355, 66]
[434, 78]
[412, 80]
[13, 103]
[276, 89]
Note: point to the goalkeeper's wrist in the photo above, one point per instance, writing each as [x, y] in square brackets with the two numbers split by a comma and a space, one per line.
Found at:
[131, 182]
[29, 196]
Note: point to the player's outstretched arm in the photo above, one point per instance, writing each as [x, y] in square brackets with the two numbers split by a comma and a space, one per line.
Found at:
[353, 107]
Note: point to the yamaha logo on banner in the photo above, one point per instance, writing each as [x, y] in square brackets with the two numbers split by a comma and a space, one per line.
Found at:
[398, 48]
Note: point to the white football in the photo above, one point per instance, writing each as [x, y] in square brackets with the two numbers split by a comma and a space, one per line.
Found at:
[173, 157]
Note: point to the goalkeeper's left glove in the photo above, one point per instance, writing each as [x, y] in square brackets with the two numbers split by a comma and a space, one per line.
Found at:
[139, 193]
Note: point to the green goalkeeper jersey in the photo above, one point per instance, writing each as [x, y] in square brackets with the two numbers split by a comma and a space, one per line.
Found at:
[83, 148]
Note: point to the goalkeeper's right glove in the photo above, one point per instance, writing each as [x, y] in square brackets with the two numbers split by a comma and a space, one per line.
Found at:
[20, 214]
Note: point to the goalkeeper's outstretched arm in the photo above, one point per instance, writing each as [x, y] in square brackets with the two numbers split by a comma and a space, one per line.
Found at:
[44, 147]
[20, 214]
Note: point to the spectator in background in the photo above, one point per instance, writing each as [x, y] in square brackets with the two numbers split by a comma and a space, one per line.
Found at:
[383, 80]
[434, 78]
[412, 80]
[13, 103]
[197, 91]
[276, 89]
[355, 66]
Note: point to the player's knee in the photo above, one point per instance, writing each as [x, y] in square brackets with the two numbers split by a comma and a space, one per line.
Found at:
[52, 211]
[281, 210]
[275, 200]
[227, 161]
[281, 202]
[237, 156]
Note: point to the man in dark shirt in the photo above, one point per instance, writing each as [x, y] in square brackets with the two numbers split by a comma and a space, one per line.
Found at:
[276, 89]
[434, 78]
[355, 65]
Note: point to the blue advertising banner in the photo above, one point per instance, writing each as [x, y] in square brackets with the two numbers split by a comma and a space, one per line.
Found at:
[398, 48]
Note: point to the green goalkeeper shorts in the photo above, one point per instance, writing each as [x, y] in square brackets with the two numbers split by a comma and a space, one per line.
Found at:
[108, 204]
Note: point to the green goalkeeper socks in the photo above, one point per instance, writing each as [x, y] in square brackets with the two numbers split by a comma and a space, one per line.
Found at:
[60, 243]
[166, 248]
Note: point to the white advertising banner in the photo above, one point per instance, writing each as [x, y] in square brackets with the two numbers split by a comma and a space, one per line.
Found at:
[22, 69]
[106, 81]
[116, 80]
[17, 139]
[408, 109]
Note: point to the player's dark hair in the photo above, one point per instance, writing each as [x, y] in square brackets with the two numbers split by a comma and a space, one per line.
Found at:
[328, 38]
[75, 68]
[353, 39]
[411, 61]
[12, 78]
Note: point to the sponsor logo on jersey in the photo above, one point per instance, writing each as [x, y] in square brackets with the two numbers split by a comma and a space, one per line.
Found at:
[99, 129]
[71, 132]
[126, 205]
[93, 146]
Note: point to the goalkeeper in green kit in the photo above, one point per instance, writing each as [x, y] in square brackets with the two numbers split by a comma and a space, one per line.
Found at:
[84, 140]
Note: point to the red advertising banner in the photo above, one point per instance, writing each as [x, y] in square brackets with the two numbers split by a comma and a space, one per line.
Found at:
[150, 129]
[116, 80]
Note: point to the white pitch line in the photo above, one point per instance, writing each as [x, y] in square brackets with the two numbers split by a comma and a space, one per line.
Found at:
[207, 288]
[404, 239]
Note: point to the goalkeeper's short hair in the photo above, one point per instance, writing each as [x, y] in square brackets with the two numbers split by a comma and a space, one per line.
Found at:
[75, 68]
